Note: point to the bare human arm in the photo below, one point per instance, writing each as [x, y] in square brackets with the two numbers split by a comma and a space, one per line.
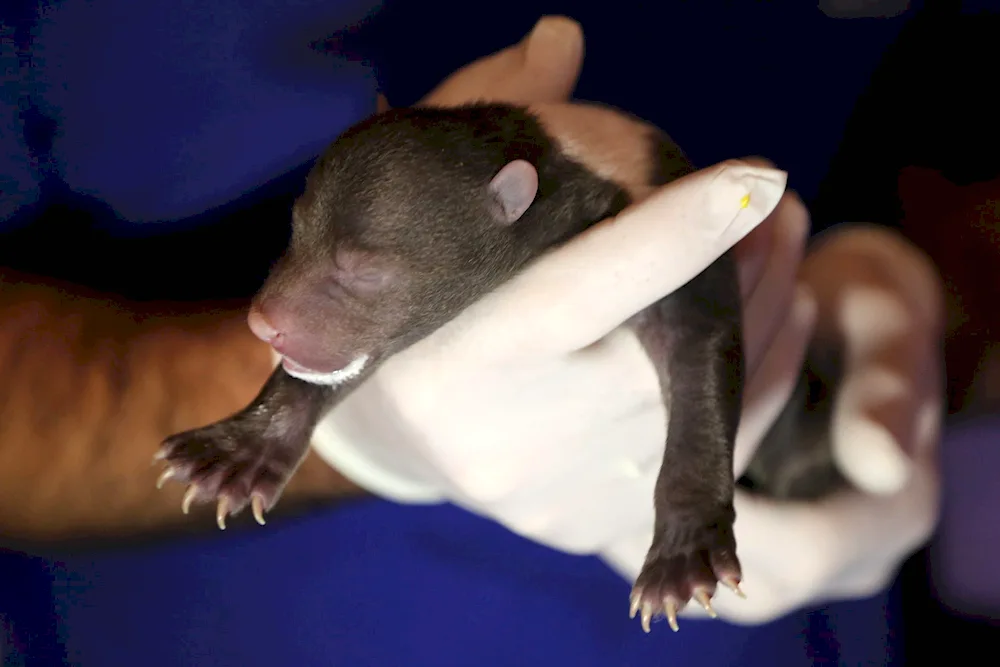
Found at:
[92, 384]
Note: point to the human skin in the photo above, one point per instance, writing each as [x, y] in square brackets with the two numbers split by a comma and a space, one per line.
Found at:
[93, 383]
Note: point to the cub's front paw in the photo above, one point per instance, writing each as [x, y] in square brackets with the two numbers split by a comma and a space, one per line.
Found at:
[233, 463]
[689, 556]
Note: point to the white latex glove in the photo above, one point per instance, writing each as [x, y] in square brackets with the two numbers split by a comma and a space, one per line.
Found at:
[653, 254]
[534, 407]
[883, 298]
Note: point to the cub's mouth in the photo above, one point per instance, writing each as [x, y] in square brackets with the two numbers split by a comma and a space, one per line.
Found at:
[330, 378]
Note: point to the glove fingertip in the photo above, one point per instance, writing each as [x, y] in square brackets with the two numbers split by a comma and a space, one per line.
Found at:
[869, 455]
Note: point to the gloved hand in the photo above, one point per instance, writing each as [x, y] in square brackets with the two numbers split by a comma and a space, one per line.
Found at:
[883, 298]
[537, 409]
[534, 332]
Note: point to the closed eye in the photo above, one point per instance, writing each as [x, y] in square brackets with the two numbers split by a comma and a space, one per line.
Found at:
[362, 272]
[337, 291]
[368, 279]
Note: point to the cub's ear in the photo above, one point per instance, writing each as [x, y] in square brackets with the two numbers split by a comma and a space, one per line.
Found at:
[513, 190]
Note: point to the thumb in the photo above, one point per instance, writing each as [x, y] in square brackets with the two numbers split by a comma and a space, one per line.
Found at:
[542, 67]
[581, 291]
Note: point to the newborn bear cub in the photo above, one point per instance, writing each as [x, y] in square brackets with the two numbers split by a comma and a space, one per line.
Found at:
[414, 214]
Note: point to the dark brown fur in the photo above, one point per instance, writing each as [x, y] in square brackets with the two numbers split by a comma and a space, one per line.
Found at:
[396, 233]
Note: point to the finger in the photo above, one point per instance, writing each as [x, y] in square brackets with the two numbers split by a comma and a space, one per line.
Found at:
[860, 579]
[874, 290]
[873, 420]
[584, 289]
[753, 251]
[814, 564]
[753, 254]
[543, 67]
[767, 305]
[770, 388]
[844, 538]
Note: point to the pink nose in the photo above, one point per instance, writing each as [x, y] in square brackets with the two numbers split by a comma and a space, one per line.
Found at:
[263, 329]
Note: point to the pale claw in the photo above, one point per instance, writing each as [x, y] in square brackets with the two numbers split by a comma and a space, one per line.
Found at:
[647, 616]
[257, 505]
[734, 586]
[634, 608]
[702, 597]
[164, 476]
[670, 607]
[189, 497]
[220, 512]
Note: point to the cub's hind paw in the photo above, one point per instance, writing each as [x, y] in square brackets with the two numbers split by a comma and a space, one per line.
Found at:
[685, 562]
[232, 464]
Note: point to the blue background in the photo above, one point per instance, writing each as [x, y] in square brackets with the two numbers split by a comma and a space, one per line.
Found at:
[142, 135]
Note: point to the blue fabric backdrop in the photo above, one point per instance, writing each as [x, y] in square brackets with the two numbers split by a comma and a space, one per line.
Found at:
[164, 111]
